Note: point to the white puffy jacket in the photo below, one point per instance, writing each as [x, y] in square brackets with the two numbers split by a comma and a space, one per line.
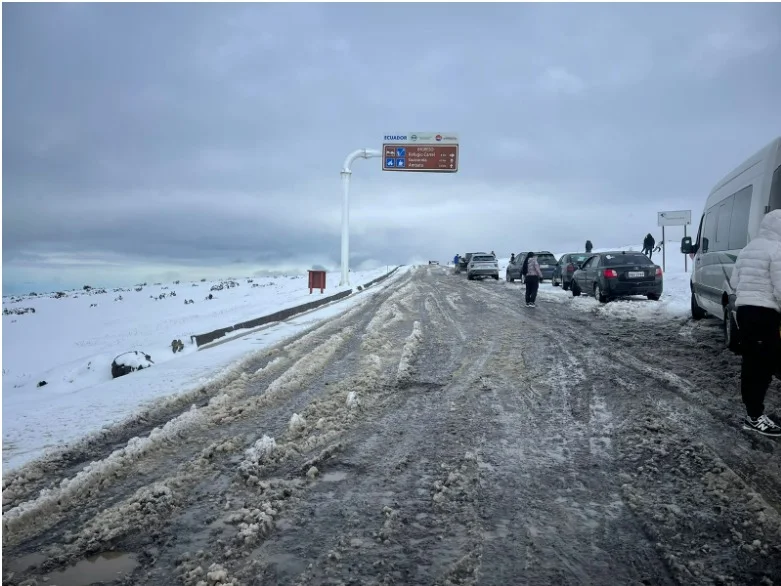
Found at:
[756, 277]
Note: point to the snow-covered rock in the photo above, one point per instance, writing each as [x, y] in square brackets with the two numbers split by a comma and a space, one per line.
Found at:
[130, 362]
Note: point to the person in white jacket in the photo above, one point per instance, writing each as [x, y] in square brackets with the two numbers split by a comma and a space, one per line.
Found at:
[756, 279]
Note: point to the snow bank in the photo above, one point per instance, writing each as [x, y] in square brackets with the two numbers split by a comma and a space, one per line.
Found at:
[81, 399]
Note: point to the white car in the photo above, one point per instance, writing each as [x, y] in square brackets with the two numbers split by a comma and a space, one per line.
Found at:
[482, 265]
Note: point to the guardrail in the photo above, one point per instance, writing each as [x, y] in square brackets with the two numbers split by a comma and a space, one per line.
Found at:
[201, 339]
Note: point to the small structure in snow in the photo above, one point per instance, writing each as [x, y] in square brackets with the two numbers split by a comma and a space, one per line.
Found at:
[130, 362]
[352, 400]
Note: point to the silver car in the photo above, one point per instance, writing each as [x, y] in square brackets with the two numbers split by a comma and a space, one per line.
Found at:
[482, 265]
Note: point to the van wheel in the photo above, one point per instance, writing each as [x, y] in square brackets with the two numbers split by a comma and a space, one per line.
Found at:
[575, 289]
[697, 311]
[564, 285]
[731, 333]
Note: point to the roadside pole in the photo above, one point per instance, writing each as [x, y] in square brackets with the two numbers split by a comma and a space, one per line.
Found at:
[664, 250]
[346, 173]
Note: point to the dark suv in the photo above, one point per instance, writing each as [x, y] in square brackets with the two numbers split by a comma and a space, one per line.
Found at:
[545, 259]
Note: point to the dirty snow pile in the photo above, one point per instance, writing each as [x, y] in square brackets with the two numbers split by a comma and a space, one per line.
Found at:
[57, 359]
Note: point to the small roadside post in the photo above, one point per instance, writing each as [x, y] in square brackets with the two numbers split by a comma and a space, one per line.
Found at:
[432, 152]
[673, 218]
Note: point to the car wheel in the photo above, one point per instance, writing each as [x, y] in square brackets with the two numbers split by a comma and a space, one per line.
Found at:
[554, 282]
[653, 297]
[470, 277]
[598, 295]
[575, 289]
[564, 285]
[697, 311]
[731, 333]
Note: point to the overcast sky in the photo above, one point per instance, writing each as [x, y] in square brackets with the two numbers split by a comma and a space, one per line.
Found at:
[161, 141]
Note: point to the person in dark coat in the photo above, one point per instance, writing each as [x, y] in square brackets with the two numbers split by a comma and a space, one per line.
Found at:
[648, 245]
[589, 246]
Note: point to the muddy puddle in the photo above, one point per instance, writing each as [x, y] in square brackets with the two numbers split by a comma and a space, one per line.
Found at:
[105, 567]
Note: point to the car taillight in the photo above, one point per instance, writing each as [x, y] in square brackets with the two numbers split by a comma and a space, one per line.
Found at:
[610, 273]
[658, 271]
[570, 268]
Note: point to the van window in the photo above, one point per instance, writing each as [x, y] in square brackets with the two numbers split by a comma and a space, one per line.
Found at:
[722, 225]
[775, 190]
[738, 230]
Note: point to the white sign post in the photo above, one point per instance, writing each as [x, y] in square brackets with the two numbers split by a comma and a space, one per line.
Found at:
[407, 151]
[674, 218]
[346, 173]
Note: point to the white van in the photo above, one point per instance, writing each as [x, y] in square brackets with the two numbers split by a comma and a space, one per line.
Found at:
[731, 218]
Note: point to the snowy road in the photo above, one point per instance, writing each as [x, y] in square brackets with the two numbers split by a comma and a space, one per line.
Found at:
[489, 444]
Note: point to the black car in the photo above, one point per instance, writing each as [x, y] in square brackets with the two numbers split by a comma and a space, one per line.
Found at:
[566, 267]
[608, 275]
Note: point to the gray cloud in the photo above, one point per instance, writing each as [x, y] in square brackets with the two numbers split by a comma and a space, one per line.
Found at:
[173, 137]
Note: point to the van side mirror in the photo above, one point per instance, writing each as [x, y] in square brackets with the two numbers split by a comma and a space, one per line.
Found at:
[687, 247]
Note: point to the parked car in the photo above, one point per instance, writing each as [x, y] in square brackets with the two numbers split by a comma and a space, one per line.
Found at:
[733, 211]
[482, 265]
[463, 262]
[547, 262]
[608, 275]
[514, 268]
[566, 267]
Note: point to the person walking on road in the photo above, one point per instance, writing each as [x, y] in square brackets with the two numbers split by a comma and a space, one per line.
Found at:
[648, 245]
[756, 279]
[533, 276]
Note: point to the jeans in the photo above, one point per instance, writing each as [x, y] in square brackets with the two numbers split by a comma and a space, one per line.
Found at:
[532, 285]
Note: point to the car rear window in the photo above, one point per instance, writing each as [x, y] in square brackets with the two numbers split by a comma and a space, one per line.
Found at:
[482, 258]
[577, 258]
[617, 260]
[546, 259]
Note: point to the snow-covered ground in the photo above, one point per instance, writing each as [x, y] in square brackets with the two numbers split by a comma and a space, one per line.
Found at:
[674, 303]
[70, 342]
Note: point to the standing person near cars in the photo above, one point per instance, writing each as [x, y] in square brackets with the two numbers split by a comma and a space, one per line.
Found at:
[756, 279]
[648, 245]
[533, 276]
[512, 257]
